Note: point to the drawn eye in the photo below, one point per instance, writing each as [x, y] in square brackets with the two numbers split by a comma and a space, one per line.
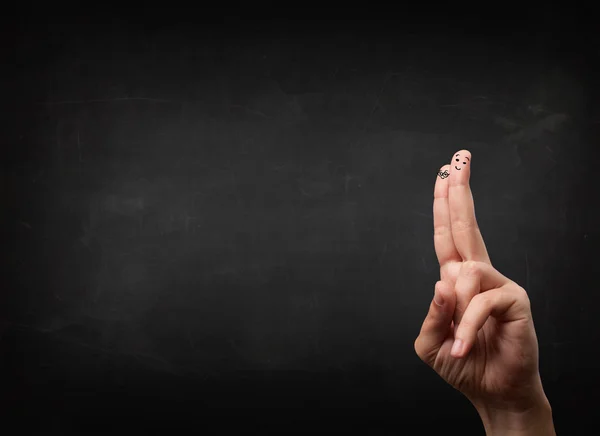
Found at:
[456, 159]
[464, 163]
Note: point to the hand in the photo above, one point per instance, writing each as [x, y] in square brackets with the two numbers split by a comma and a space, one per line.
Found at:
[479, 334]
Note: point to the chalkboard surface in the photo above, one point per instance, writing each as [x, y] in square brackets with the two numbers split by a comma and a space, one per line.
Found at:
[243, 221]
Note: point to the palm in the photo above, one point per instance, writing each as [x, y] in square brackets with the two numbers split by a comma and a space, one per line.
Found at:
[495, 364]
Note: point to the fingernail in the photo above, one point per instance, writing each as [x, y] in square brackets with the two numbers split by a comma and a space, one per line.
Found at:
[457, 348]
[437, 298]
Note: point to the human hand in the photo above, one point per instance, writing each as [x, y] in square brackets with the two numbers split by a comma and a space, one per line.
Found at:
[479, 334]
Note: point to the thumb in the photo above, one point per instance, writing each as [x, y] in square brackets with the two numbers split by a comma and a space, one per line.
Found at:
[437, 324]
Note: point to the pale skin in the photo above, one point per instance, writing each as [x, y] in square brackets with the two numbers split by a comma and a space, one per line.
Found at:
[478, 334]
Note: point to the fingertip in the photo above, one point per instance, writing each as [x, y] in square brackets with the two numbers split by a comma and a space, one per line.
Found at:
[443, 172]
[463, 152]
[438, 297]
[442, 304]
[463, 342]
[460, 167]
[446, 291]
[458, 348]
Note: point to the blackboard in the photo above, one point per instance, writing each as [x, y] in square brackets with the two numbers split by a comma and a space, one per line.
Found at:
[242, 221]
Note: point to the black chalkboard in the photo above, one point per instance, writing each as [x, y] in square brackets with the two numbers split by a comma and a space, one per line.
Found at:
[242, 220]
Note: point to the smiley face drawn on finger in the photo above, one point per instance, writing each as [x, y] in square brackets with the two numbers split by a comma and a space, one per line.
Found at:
[458, 160]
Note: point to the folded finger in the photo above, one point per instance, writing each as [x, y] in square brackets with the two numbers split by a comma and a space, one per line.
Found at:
[437, 324]
[504, 302]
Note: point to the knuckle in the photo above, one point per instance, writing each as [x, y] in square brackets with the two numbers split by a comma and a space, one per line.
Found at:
[461, 293]
[497, 297]
[441, 230]
[466, 325]
[463, 225]
[471, 268]
[520, 290]
[418, 348]
[480, 299]
[483, 300]
[522, 296]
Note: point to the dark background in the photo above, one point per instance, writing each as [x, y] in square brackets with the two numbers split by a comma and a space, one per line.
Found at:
[215, 218]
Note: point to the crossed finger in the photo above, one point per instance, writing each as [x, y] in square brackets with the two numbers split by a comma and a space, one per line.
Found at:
[456, 234]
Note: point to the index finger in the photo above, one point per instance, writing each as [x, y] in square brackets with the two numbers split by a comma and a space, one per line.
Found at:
[442, 228]
[465, 231]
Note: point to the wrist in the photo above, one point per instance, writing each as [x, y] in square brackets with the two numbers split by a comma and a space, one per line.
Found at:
[534, 418]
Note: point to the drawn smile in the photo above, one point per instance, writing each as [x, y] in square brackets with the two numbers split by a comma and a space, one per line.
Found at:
[457, 168]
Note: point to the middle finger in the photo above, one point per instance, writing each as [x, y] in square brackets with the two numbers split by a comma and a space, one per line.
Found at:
[465, 231]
